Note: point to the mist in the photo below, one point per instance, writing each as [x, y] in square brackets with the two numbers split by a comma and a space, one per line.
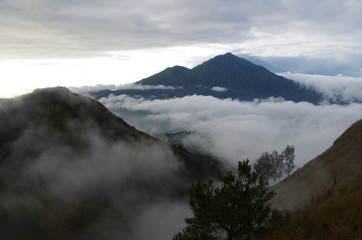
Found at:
[71, 175]
[85, 90]
[130, 189]
[336, 88]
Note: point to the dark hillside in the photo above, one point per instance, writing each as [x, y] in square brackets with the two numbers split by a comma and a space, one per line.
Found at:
[70, 169]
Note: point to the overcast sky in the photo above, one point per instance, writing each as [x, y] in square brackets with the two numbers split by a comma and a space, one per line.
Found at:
[77, 42]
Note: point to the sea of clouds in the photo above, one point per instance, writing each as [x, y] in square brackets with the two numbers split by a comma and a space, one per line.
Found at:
[234, 130]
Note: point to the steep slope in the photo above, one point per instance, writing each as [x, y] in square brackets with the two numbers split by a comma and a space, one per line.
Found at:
[333, 215]
[340, 164]
[224, 76]
[70, 169]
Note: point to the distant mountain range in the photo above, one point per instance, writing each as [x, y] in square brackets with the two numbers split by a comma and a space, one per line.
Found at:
[224, 76]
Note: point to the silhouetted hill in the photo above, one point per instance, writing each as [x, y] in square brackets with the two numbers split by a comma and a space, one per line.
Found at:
[340, 164]
[224, 76]
[63, 112]
[70, 169]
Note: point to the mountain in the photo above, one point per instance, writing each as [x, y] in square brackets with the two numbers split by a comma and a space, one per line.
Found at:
[224, 76]
[70, 169]
[341, 164]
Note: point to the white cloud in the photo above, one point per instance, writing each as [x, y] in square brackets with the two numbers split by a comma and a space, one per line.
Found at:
[113, 87]
[343, 88]
[219, 89]
[235, 130]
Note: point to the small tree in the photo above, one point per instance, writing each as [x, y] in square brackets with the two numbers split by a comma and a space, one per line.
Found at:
[235, 210]
[274, 165]
[289, 157]
[277, 161]
[264, 165]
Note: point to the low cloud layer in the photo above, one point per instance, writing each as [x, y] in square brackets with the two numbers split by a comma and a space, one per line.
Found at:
[234, 130]
[342, 88]
[130, 86]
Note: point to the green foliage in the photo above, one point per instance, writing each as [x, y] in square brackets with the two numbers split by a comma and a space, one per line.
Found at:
[274, 165]
[264, 165]
[235, 210]
[289, 157]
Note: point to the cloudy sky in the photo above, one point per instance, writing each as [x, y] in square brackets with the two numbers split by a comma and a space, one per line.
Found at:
[77, 42]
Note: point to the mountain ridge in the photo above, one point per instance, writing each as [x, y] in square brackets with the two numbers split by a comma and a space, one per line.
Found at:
[61, 111]
[240, 78]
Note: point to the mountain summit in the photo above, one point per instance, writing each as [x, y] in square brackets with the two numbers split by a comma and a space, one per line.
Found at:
[224, 76]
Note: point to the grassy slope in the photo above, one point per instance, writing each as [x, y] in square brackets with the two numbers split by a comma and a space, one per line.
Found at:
[333, 215]
[323, 208]
[342, 161]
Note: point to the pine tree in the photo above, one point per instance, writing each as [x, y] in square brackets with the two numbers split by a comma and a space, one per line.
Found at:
[235, 210]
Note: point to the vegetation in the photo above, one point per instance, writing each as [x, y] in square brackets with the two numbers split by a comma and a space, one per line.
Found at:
[235, 210]
[333, 215]
[274, 165]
